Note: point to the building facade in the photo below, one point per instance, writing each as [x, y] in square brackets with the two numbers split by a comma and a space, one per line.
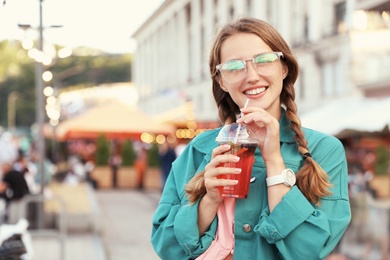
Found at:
[342, 47]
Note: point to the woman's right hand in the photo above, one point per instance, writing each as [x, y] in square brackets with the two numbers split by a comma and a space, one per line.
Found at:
[210, 202]
[213, 170]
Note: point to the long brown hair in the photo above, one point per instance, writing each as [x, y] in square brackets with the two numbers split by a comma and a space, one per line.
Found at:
[311, 178]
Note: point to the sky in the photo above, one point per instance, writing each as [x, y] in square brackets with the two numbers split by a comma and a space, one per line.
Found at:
[104, 25]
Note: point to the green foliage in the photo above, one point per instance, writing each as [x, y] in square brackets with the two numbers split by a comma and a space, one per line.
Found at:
[84, 68]
[153, 156]
[102, 154]
[382, 161]
[128, 153]
[17, 75]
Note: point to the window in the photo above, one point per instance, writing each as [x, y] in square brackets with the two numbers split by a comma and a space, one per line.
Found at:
[331, 79]
[301, 85]
[250, 4]
[340, 11]
[306, 28]
[326, 74]
[337, 78]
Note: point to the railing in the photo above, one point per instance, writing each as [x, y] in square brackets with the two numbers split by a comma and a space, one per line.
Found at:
[59, 233]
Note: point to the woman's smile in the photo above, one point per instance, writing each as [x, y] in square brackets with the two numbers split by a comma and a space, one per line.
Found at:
[255, 91]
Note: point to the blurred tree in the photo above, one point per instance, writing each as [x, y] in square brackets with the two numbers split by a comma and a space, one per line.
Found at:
[153, 156]
[102, 153]
[382, 161]
[85, 68]
[17, 74]
[128, 153]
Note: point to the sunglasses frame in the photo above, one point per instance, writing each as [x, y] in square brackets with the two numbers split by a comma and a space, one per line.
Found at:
[219, 66]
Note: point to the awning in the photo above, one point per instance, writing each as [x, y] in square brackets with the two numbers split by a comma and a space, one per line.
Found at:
[352, 115]
[114, 120]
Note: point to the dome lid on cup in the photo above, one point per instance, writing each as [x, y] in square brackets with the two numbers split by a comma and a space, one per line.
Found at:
[234, 133]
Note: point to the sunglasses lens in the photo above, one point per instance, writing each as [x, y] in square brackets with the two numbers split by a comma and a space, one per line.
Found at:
[265, 63]
[233, 70]
[233, 65]
[266, 58]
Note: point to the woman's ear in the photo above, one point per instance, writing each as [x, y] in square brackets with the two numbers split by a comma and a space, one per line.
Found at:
[285, 71]
[220, 85]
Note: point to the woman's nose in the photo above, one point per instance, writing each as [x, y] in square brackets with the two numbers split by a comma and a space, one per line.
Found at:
[251, 71]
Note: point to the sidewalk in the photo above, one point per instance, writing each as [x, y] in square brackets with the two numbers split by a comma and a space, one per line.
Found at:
[77, 247]
[126, 221]
[123, 230]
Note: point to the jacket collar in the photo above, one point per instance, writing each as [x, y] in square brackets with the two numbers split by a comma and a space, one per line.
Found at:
[286, 133]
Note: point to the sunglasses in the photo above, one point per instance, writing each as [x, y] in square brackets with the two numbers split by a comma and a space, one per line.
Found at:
[235, 70]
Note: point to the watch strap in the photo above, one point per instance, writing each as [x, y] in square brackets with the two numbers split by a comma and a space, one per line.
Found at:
[282, 178]
[274, 180]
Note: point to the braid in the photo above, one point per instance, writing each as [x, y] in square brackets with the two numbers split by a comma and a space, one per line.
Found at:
[196, 188]
[311, 178]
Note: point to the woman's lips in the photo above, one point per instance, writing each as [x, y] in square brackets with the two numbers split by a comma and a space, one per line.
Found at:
[255, 91]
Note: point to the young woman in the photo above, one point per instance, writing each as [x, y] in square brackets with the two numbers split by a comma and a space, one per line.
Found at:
[279, 220]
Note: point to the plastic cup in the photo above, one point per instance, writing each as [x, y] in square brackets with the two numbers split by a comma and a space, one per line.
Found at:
[243, 146]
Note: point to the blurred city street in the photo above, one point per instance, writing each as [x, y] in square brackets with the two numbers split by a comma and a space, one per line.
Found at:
[124, 229]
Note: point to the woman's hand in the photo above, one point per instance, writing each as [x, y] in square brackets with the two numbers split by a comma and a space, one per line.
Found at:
[265, 128]
[212, 171]
[210, 202]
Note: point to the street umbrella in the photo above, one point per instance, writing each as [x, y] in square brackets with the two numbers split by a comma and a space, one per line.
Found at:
[350, 115]
[116, 121]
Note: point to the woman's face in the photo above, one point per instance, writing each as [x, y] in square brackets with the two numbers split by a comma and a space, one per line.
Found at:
[262, 89]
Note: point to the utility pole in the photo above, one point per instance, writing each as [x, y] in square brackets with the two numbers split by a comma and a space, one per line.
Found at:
[40, 117]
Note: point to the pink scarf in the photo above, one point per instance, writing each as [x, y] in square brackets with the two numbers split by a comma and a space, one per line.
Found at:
[223, 244]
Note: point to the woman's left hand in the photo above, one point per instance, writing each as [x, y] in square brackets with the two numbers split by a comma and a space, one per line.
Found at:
[264, 127]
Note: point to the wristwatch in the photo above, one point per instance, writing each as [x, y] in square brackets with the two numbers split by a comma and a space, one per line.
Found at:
[287, 177]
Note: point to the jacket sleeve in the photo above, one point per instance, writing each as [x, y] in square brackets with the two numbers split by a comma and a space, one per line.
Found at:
[175, 232]
[311, 232]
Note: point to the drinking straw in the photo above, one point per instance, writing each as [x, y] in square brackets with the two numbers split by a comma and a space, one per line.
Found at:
[239, 125]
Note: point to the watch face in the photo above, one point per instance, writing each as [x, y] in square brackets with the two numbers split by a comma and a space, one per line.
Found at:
[290, 177]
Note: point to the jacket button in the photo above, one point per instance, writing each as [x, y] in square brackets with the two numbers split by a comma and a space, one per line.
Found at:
[247, 228]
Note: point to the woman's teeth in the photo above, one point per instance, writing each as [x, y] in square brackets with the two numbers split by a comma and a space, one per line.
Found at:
[255, 91]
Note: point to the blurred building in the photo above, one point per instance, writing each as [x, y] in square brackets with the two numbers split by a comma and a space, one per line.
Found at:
[342, 47]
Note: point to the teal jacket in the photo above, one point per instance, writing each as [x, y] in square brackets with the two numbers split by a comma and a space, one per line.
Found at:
[295, 229]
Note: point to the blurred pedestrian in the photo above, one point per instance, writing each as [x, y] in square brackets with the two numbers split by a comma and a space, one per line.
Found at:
[377, 226]
[115, 163]
[141, 165]
[48, 170]
[167, 156]
[13, 188]
[8, 149]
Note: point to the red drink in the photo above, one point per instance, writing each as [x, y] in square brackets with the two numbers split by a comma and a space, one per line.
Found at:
[246, 152]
